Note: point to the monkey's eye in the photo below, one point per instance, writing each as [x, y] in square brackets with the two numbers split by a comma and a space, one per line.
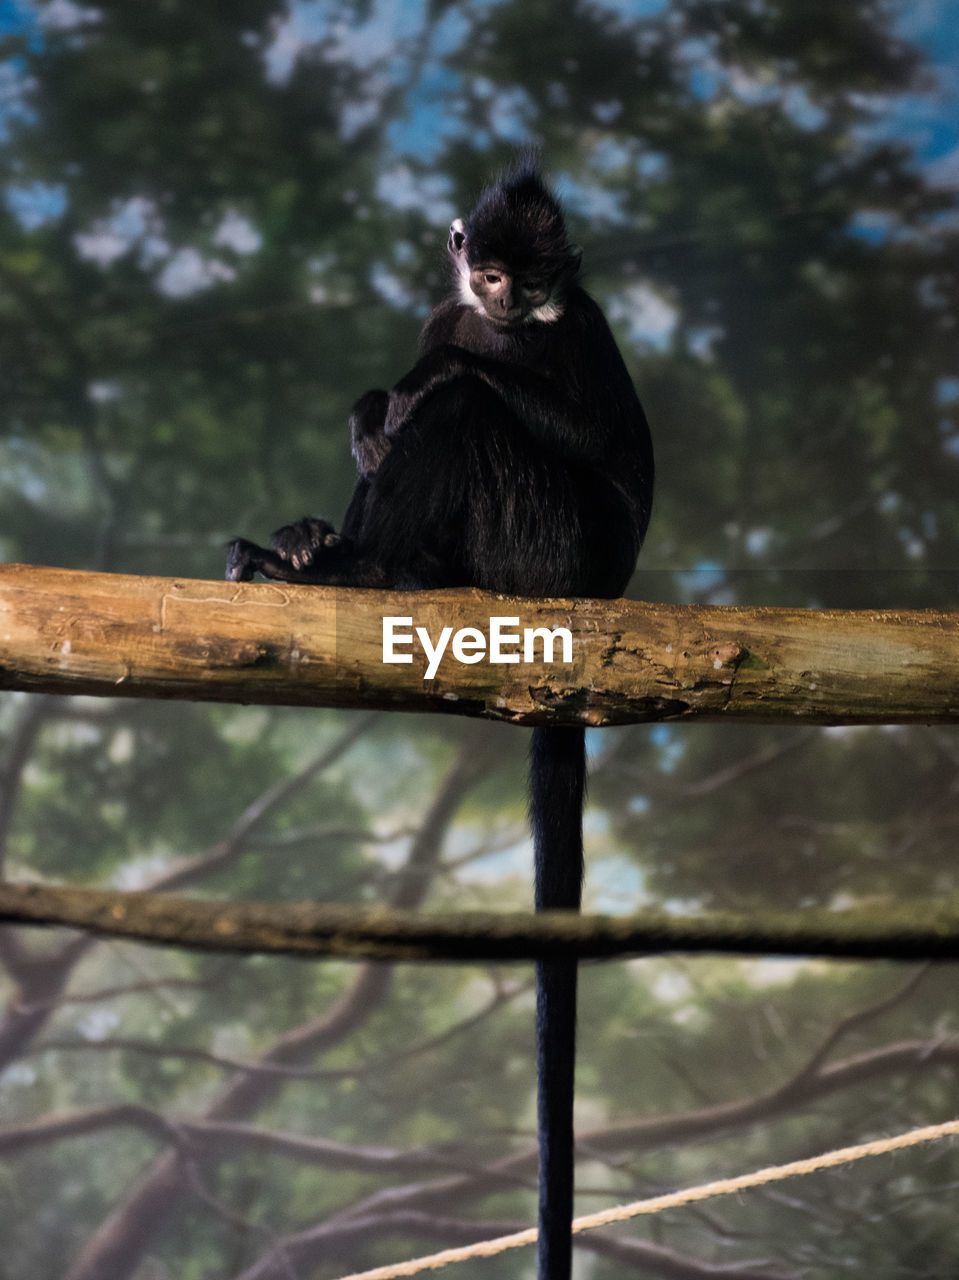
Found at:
[491, 277]
[534, 286]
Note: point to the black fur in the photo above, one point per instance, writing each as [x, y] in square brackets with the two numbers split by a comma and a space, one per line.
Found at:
[520, 223]
[514, 457]
[557, 786]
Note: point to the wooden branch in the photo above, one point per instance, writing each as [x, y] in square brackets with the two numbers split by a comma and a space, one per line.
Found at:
[897, 931]
[64, 631]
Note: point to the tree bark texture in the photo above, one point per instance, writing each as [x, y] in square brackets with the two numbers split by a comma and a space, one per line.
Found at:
[65, 631]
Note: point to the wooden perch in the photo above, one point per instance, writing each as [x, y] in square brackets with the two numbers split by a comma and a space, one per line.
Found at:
[918, 930]
[63, 631]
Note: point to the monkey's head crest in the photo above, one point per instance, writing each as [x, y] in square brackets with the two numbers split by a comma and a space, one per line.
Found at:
[512, 253]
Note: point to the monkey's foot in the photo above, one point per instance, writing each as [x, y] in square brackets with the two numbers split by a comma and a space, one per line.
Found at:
[241, 560]
[301, 542]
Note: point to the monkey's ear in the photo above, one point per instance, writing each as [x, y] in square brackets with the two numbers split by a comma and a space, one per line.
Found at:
[457, 237]
[575, 258]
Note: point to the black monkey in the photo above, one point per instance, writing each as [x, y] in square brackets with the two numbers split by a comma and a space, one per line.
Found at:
[515, 457]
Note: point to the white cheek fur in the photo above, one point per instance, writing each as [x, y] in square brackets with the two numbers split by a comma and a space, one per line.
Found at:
[467, 296]
[547, 313]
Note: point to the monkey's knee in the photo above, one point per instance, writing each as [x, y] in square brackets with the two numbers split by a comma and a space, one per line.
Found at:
[370, 443]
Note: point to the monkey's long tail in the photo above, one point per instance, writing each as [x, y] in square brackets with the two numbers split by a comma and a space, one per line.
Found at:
[557, 787]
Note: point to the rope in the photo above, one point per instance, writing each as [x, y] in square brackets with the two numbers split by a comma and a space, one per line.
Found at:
[724, 1187]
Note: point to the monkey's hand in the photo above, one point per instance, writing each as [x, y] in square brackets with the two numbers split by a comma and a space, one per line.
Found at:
[309, 551]
[302, 543]
[367, 431]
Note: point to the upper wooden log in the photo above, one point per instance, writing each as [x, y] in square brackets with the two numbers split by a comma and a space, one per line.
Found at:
[64, 631]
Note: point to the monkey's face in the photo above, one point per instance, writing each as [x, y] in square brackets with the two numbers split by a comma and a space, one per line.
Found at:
[504, 298]
[507, 299]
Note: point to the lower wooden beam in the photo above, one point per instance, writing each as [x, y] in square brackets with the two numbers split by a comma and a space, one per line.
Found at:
[919, 930]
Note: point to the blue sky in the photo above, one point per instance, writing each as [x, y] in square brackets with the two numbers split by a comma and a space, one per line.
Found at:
[928, 121]
[931, 122]
[396, 29]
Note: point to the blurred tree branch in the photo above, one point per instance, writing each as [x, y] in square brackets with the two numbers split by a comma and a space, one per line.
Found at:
[119, 1242]
[894, 930]
[40, 983]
